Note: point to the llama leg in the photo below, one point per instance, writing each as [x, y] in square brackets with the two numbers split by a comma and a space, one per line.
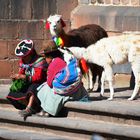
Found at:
[111, 90]
[137, 84]
[99, 82]
[109, 77]
[102, 83]
[90, 80]
[87, 77]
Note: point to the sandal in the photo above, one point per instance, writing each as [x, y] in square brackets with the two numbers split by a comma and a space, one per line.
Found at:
[27, 112]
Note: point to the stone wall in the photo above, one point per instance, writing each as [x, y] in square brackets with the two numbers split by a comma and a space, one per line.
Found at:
[20, 19]
[112, 2]
[115, 17]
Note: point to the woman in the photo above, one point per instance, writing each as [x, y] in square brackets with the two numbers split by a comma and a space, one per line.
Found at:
[31, 74]
[61, 85]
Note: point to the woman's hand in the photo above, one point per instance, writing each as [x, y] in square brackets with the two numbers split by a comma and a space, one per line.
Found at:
[18, 76]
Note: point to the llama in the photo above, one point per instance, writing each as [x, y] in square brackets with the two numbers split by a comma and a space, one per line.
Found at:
[113, 50]
[81, 37]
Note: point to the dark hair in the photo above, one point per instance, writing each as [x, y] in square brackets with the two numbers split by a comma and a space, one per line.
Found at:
[54, 54]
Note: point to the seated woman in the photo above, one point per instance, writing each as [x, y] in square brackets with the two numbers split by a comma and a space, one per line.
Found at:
[63, 83]
[32, 73]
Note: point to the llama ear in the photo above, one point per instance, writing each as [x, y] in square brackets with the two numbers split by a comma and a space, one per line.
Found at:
[47, 25]
[63, 23]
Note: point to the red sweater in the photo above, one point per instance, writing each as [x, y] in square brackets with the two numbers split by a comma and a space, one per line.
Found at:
[55, 66]
[39, 74]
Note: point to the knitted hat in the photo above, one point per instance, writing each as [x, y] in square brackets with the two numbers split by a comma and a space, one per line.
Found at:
[24, 48]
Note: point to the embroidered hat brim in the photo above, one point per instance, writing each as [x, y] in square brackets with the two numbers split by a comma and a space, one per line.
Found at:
[24, 48]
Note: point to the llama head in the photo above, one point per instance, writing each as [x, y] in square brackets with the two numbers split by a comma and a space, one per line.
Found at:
[55, 24]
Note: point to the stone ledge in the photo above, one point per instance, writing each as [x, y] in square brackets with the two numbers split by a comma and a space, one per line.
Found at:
[5, 81]
[74, 125]
[112, 18]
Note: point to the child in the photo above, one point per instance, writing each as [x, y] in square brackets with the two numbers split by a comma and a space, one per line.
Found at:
[31, 74]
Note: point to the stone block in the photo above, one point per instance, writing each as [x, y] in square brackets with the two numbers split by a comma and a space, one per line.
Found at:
[114, 33]
[31, 29]
[83, 1]
[130, 23]
[107, 1]
[93, 1]
[118, 23]
[125, 2]
[15, 65]
[38, 45]
[47, 35]
[138, 28]
[6, 69]
[8, 29]
[100, 1]
[43, 8]
[3, 49]
[116, 2]
[112, 18]
[21, 9]
[80, 16]
[65, 7]
[11, 48]
[4, 9]
[135, 2]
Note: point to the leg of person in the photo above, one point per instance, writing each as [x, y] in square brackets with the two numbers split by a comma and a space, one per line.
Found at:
[33, 105]
[50, 102]
[29, 110]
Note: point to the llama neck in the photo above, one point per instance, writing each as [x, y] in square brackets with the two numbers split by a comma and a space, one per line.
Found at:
[64, 37]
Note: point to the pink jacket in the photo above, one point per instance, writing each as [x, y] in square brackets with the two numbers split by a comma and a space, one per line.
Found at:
[55, 66]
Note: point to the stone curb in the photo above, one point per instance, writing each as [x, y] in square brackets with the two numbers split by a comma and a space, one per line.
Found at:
[74, 125]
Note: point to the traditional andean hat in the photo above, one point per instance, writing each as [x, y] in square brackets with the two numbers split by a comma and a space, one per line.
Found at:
[24, 48]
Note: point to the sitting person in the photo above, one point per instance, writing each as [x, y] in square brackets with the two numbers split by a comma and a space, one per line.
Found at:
[63, 83]
[32, 73]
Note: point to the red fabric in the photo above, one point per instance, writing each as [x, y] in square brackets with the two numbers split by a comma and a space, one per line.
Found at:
[47, 25]
[84, 65]
[55, 66]
[39, 74]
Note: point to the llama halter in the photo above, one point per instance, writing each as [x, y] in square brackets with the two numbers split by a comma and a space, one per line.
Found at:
[58, 41]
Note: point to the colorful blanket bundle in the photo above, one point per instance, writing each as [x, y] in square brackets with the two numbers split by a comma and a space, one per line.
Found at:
[68, 80]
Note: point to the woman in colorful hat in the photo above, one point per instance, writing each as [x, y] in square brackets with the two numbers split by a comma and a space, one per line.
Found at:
[32, 73]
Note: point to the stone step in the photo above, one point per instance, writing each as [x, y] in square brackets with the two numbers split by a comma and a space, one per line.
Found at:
[16, 134]
[65, 126]
[120, 110]
[110, 119]
[115, 112]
